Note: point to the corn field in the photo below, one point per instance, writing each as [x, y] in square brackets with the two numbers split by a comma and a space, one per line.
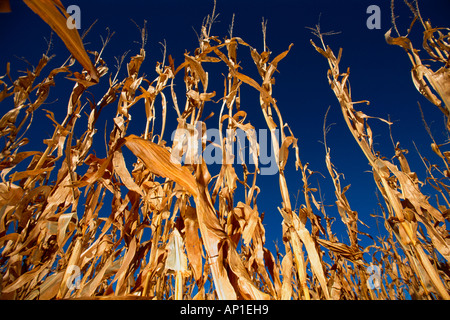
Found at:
[179, 232]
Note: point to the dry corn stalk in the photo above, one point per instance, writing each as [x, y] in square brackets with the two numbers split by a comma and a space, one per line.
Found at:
[436, 44]
[405, 202]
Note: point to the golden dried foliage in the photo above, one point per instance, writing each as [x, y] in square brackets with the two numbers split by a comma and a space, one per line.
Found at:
[203, 245]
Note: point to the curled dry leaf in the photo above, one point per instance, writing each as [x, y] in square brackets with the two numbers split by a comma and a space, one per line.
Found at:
[158, 160]
[50, 12]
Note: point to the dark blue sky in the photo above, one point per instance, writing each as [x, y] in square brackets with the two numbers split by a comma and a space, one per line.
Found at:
[378, 72]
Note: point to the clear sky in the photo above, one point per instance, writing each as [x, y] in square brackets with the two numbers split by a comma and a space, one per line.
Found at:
[378, 72]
